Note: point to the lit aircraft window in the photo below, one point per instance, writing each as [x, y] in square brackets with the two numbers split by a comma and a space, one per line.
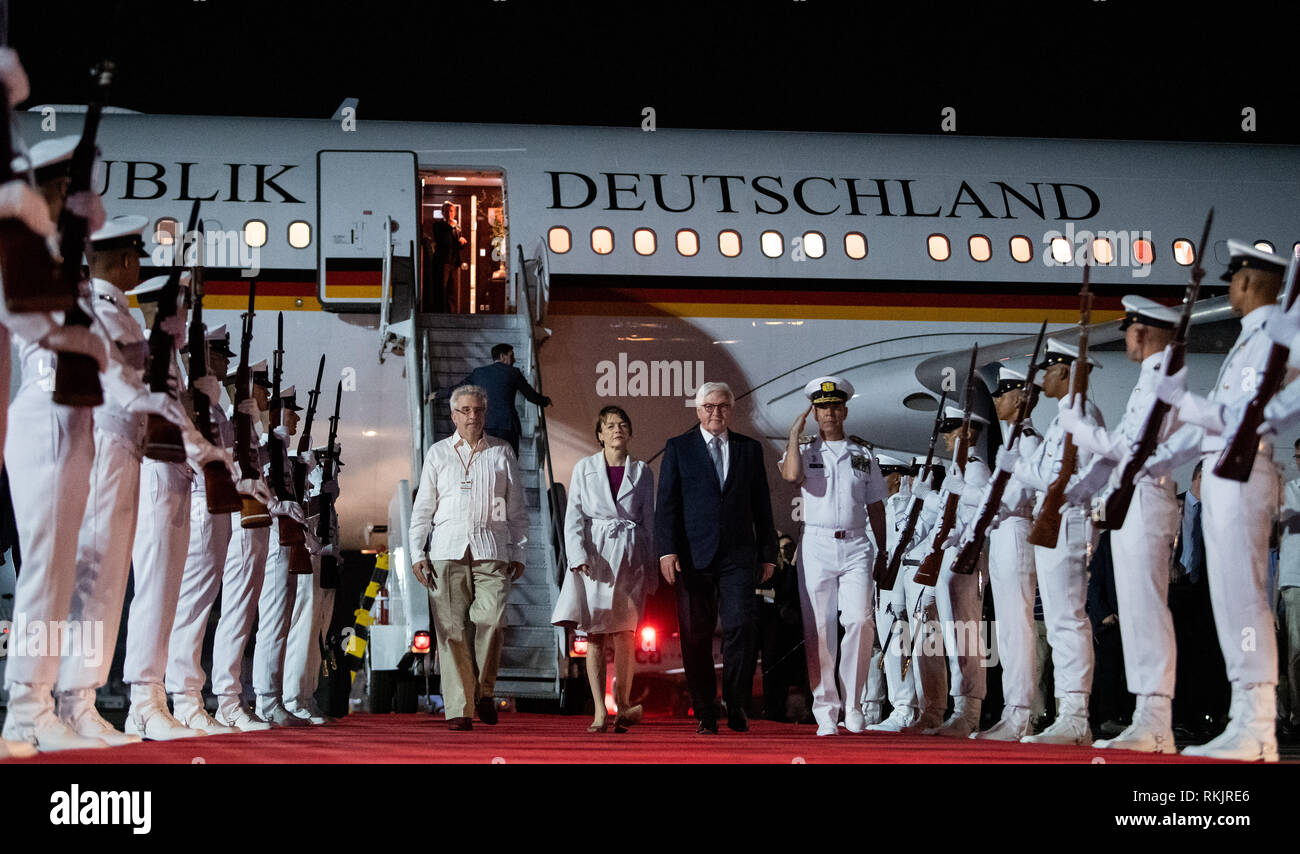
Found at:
[814, 245]
[1184, 252]
[772, 244]
[558, 238]
[980, 248]
[729, 243]
[688, 242]
[855, 245]
[1143, 252]
[1101, 253]
[938, 245]
[299, 234]
[165, 231]
[1021, 249]
[255, 233]
[1263, 246]
[602, 241]
[643, 241]
[1062, 251]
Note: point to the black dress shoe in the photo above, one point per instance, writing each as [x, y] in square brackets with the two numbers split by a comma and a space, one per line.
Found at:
[739, 722]
[707, 728]
[460, 724]
[486, 708]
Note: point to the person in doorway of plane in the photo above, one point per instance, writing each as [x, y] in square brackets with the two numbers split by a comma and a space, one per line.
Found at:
[608, 537]
[447, 247]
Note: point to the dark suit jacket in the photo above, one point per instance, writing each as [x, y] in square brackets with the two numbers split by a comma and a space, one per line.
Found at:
[501, 382]
[699, 521]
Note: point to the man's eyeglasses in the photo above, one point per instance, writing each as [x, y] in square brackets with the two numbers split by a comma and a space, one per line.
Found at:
[467, 411]
[711, 408]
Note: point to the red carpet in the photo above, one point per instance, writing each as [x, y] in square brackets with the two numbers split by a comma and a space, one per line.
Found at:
[527, 738]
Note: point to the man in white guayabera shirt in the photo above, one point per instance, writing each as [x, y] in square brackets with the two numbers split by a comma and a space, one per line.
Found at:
[472, 497]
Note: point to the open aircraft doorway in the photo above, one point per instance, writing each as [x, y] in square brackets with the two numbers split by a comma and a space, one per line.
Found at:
[465, 246]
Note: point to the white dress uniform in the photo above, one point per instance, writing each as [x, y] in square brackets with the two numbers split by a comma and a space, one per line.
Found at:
[313, 606]
[1063, 577]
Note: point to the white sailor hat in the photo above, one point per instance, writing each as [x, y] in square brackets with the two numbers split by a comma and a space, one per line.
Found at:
[1246, 256]
[150, 290]
[289, 399]
[121, 232]
[953, 417]
[260, 373]
[1060, 353]
[890, 465]
[1146, 311]
[219, 339]
[1009, 379]
[50, 158]
[829, 390]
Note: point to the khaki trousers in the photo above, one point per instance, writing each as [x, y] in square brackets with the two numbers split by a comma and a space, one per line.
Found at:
[469, 593]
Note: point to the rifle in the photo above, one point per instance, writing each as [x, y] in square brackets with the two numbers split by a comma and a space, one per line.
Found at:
[1047, 527]
[887, 580]
[163, 439]
[1238, 458]
[290, 533]
[304, 439]
[76, 376]
[254, 513]
[969, 554]
[330, 462]
[218, 487]
[928, 572]
[1115, 506]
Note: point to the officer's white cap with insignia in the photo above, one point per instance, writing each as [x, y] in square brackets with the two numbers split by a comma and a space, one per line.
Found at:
[953, 413]
[219, 339]
[260, 373]
[121, 232]
[150, 289]
[1009, 379]
[1139, 309]
[50, 158]
[289, 399]
[887, 462]
[1060, 353]
[1246, 256]
[829, 390]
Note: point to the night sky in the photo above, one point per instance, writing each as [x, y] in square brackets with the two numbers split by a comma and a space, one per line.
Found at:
[1068, 68]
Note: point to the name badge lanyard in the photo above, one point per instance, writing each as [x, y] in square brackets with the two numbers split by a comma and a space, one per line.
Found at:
[466, 484]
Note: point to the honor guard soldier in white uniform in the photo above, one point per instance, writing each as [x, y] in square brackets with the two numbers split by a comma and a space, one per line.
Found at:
[205, 558]
[1012, 576]
[959, 598]
[1063, 570]
[843, 493]
[1237, 517]
[1142, 548]
[923, 686]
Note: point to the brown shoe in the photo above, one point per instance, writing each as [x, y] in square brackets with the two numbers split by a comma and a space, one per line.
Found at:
[460, 724]
[486, 708]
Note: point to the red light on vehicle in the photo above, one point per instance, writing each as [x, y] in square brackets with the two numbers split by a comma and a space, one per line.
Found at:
[421, 643]
[579, 648]
[649, 639]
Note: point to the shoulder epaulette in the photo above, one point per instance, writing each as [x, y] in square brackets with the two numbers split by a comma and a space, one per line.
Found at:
[861, 441]
[1028, 431]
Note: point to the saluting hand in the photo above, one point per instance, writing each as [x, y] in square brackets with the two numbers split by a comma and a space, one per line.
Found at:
[797, 428]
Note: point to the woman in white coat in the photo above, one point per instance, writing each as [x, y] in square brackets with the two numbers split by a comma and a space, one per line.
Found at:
[608, 539]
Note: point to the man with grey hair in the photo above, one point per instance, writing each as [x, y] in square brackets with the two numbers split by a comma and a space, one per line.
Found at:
[713, 527]
[468, 529]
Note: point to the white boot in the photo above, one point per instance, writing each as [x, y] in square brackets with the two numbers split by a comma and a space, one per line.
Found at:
[271, 710]
[1152, 728]
[189, 710]
[77, 710]
[898, 720]
[310, 712]
[929, 719]
[871, 714]
[1251, 735]
[16, 749]
[965, 718]
[854, 720]
[149, 718]
[1070, 726]
[1013, 726]
[31, 719]
[231, 713]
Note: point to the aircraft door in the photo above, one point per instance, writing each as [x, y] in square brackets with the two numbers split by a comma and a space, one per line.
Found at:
[358, 192]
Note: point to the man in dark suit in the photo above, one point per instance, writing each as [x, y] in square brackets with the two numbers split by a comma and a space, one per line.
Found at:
[502, 380]
[713, 525]
[448, 244]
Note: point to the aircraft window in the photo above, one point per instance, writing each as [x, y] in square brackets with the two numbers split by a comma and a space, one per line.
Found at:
[980, 248]
[643, 241]
[1021, 249]
[1184, 252]
[1101, 252]
[1062, 250]
[165, 231]
[602, 241]
[1263, 246]
[814, 244]
[938, 245]
[1143, 252]
[255, 233]
[558, 239]
[855, 245]
[688, 242]
[299, 234]
[729, 243]
[772, 244]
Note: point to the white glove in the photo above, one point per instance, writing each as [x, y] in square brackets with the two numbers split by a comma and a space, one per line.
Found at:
[1171, 388]
[209, 386]
[19, 201]
[921, 488]
[14, 77]
[1007, 459]
[1070, 417]
[954, 483]
[158, 403]
[1283, 326]
[201, 452]
[249, 407]
[175, 327]
[331, 550]
[292, 509]
[257, 489]
[77, 339]
[89, 207]
[1156, 467]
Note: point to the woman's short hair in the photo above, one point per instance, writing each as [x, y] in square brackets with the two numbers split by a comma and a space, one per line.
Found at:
[611, 410]
[707, 389]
